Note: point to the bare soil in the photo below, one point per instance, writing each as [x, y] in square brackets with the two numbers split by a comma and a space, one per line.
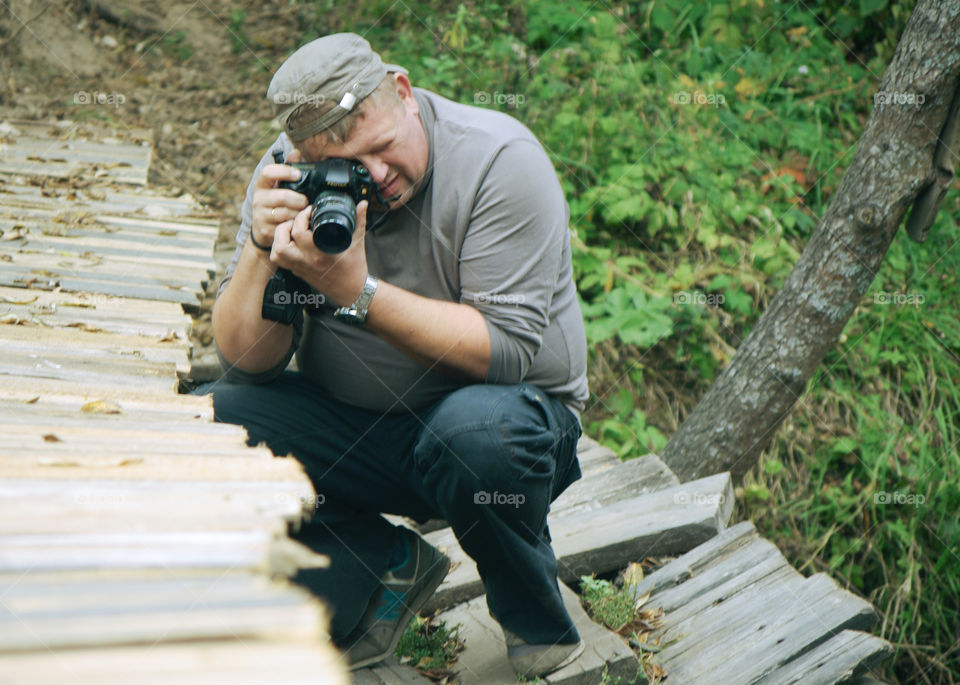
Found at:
[195, 74]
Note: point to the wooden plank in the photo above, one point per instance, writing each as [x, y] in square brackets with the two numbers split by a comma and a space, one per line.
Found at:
[843, 656]
[594, 457]
[225, 550]
[783, 622]
[112, 285]
[110, 269]
[120, 440]
[749, 557]
[159, 378]
[242, 607]
[701, 557]
[389, 672]
[484, 660]
[73, 346]
[73, 246]
[101, 199]
[149, 468]
[234, 661]
[671, 521]
[133, 402]
[625, 480]
[57, 507]
[65, 152]
[123, 316]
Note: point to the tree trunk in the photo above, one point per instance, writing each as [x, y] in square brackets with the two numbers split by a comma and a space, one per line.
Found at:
[902, 159]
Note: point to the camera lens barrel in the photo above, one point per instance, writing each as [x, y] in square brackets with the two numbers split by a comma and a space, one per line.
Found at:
[332, 221]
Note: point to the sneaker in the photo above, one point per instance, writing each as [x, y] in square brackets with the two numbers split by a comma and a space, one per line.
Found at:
[533, 661]
[402, 593]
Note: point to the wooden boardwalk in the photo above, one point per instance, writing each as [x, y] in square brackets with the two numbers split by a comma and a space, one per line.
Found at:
[140, 542]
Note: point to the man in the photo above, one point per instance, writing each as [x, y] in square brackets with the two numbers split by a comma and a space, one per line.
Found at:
[442, 363]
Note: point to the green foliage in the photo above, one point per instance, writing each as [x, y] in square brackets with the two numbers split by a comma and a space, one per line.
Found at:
[238, 38]
[177, 45]
[606, 603]
[429, 645]
[697, 144]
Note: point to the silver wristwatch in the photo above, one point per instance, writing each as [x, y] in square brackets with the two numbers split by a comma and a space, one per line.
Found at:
[356, 313]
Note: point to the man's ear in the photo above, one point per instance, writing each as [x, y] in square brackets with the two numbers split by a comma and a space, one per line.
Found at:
[405, 92]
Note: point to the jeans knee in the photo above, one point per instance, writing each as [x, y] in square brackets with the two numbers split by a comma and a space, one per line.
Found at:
[490, 435]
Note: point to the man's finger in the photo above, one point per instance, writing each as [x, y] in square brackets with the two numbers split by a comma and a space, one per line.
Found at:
[273, 173]
[301, 226]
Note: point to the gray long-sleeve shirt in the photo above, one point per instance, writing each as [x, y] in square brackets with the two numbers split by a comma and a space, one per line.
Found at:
[488, 228]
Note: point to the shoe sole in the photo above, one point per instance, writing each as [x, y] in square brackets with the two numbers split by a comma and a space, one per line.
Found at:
[431, 582]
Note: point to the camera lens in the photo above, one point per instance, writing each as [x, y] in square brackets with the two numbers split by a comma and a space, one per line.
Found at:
[332, 221]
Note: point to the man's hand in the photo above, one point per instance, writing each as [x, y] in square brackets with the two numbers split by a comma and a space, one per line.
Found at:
[273, 206]
[340, 276]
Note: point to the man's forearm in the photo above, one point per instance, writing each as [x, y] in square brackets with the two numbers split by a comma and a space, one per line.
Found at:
[451, 335]
[245, 338]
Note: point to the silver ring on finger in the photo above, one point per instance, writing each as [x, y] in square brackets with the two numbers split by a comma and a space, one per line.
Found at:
[273, 213]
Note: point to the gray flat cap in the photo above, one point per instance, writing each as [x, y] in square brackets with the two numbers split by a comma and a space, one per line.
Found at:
[340, 68]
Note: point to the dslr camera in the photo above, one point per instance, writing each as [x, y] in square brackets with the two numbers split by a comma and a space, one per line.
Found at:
[334, 187]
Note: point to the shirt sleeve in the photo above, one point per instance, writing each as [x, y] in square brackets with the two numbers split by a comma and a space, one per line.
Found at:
[246, 209]
[231, 372]
[510, 257]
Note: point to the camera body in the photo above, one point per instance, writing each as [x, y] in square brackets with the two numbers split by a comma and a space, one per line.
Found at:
[334, 187]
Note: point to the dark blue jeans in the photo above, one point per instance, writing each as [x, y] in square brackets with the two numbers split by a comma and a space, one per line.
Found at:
[487, 458]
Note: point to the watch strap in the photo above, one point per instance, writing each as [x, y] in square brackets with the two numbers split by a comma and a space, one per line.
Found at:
[356, 313]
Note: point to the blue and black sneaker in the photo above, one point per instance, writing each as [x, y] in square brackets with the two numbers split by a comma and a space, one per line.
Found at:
[403, 591]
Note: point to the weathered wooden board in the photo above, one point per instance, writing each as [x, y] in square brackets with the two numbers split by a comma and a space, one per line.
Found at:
[85, 614]
[388, 672]
[671, 521]
[194, 466]
[62, 151]
[750, 558]
[594, 457]
[234, 661]
[53, 266]
[700, 558]
[847, 654]
[625, 480]
[777, 625]
[132, 402]
[484, 661]
[70, 346]
[120, 373]
[20, 276]
[226, 550]
[123, 316]
[104, 198]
